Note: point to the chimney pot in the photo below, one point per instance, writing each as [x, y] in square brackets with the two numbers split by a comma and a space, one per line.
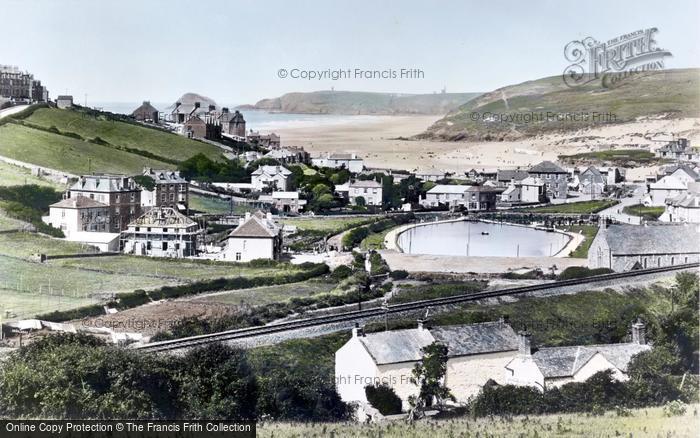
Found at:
[421, 324]
[639, 332]
[524, 343]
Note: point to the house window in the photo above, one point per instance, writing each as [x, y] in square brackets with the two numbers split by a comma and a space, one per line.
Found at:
[63, 213]
[658, 261]
[172, 197]
[148, 245]
[138, 229]
[165, 246]
[165, 230]
[672, 259]
[686, 259]
[238, 256]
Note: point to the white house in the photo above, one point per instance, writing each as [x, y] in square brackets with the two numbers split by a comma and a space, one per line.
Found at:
[684, 207]
[350, 162]
[161, 232]
[672, 185]
[274, 177]
[369, 190]
[445, 194]
[476, 353]
[64, 102]
[256, 237]
[77, 214]
[528, 190]
[552, 367]
[627, 247]
[430, 175]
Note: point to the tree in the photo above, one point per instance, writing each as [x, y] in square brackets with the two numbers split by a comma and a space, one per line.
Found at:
[217, 383]
[145, 181]
[383, 398]
[429, 375]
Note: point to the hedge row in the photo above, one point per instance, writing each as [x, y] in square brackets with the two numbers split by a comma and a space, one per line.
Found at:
[139, 297]
[353, 237]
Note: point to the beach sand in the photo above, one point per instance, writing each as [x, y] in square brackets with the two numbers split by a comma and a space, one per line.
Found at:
[374, 138]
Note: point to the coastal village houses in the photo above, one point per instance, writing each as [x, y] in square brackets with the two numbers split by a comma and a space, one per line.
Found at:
[350, 162]
[477, 354]
[679, 150]
[84, 220]
[119, 193]
[472, 197]
[528, 190]
[170, 190]
[629, 247]
[284, 202]
[267, 141]
[232, 124]
[161, 232]
[256, 237]
[673, 184]
[276, 178]
[551, 367]
[684, 207]
[369, 190]
[554, 177]
[64, 102]
[146, 113]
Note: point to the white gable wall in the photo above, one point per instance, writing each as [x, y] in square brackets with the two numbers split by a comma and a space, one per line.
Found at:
[249, 248]
[354, 369]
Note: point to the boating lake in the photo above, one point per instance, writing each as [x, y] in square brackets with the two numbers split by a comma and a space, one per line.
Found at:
[462, 238]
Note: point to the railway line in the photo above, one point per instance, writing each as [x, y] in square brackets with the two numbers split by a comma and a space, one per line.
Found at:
[248, 332]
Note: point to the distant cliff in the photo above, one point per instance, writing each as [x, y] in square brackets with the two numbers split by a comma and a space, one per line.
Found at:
[359, 102]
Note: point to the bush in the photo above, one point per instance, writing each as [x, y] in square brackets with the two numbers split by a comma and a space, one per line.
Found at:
[398, 274]
[675, 408]
[573, 272]
[132, 299]
[341, 272]
[384, 399]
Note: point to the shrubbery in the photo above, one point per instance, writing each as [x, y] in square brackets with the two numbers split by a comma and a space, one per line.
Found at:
[398, 274]
[341, 272]
[28, 202]
[384, 399]
[573, 272]
[353, 237]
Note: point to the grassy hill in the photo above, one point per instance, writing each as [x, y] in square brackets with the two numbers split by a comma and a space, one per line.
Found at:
[68, 139]
[358, 102]
[670, 93]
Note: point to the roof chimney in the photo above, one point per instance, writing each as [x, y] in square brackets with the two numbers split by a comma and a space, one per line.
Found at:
[357, 331]
[524, 343]
[639, 332]
[247, 216]
[421, 324]
[197, 104]
[212, 107]
[225, 110]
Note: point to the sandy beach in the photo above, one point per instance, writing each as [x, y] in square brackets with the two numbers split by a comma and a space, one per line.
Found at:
[375, 139]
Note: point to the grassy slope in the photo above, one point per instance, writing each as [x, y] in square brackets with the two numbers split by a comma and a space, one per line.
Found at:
[675, 92]
[271, 294]
[68, 154]
[25, 244]
[649, 422]
[648, 213]
[589, 232]
[612, 156]
[158, 142]
[584, 207]
[11, 175]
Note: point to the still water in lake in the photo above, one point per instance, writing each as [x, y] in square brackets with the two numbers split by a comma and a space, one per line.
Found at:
[481, 239]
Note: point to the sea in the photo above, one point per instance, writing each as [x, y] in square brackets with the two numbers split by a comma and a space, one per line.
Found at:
[258, 120]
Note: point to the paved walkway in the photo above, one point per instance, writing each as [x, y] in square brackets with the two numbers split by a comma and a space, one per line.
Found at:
[615, 212]
[12, 110]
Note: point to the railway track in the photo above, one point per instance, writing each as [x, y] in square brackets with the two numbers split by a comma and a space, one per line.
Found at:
[195, 341]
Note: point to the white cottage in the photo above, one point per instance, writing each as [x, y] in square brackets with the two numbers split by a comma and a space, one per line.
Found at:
[547, 368]
[273, 177]
[256, 237]
[477, 353]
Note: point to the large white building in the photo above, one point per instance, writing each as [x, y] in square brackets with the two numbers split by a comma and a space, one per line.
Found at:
[350, 162]
[85, 220]
[477, 353]
[271, 177]
[551, 367]
[369, 190]
[161, 232]
[627, 247]
[684, 207]
[256, 237]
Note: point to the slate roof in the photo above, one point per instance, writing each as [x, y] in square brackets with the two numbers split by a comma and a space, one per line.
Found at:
[255, 227]
[370, 183]
[555, 362]
[592, 175]
[461, 340]
[104, 183]
[164, 176]
[272, 170]
[397, 345]
[488, 337]
[531, 181]
[652, 239]
[508, 175]
[686, 200]
[78, 202]
[343, 157]
[145, 108]
[546, 167]
[448, 188]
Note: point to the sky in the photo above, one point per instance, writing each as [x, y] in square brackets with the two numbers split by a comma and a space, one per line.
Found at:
[233, 51]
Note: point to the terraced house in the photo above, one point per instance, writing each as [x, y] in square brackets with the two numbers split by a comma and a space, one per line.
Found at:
[119, 193]
[170, 190]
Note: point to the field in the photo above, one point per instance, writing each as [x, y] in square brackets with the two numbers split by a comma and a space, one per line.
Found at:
[11, 175]
[19, 305]
[8, 223]
[270, 294]
[585, 207]
[649, 422]
[160, 268]
[589, 232]
[68, 154]
[613, 156]
[328, 224]
[212, 205]
[647, 213]
[25, 244]
[127, 135]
